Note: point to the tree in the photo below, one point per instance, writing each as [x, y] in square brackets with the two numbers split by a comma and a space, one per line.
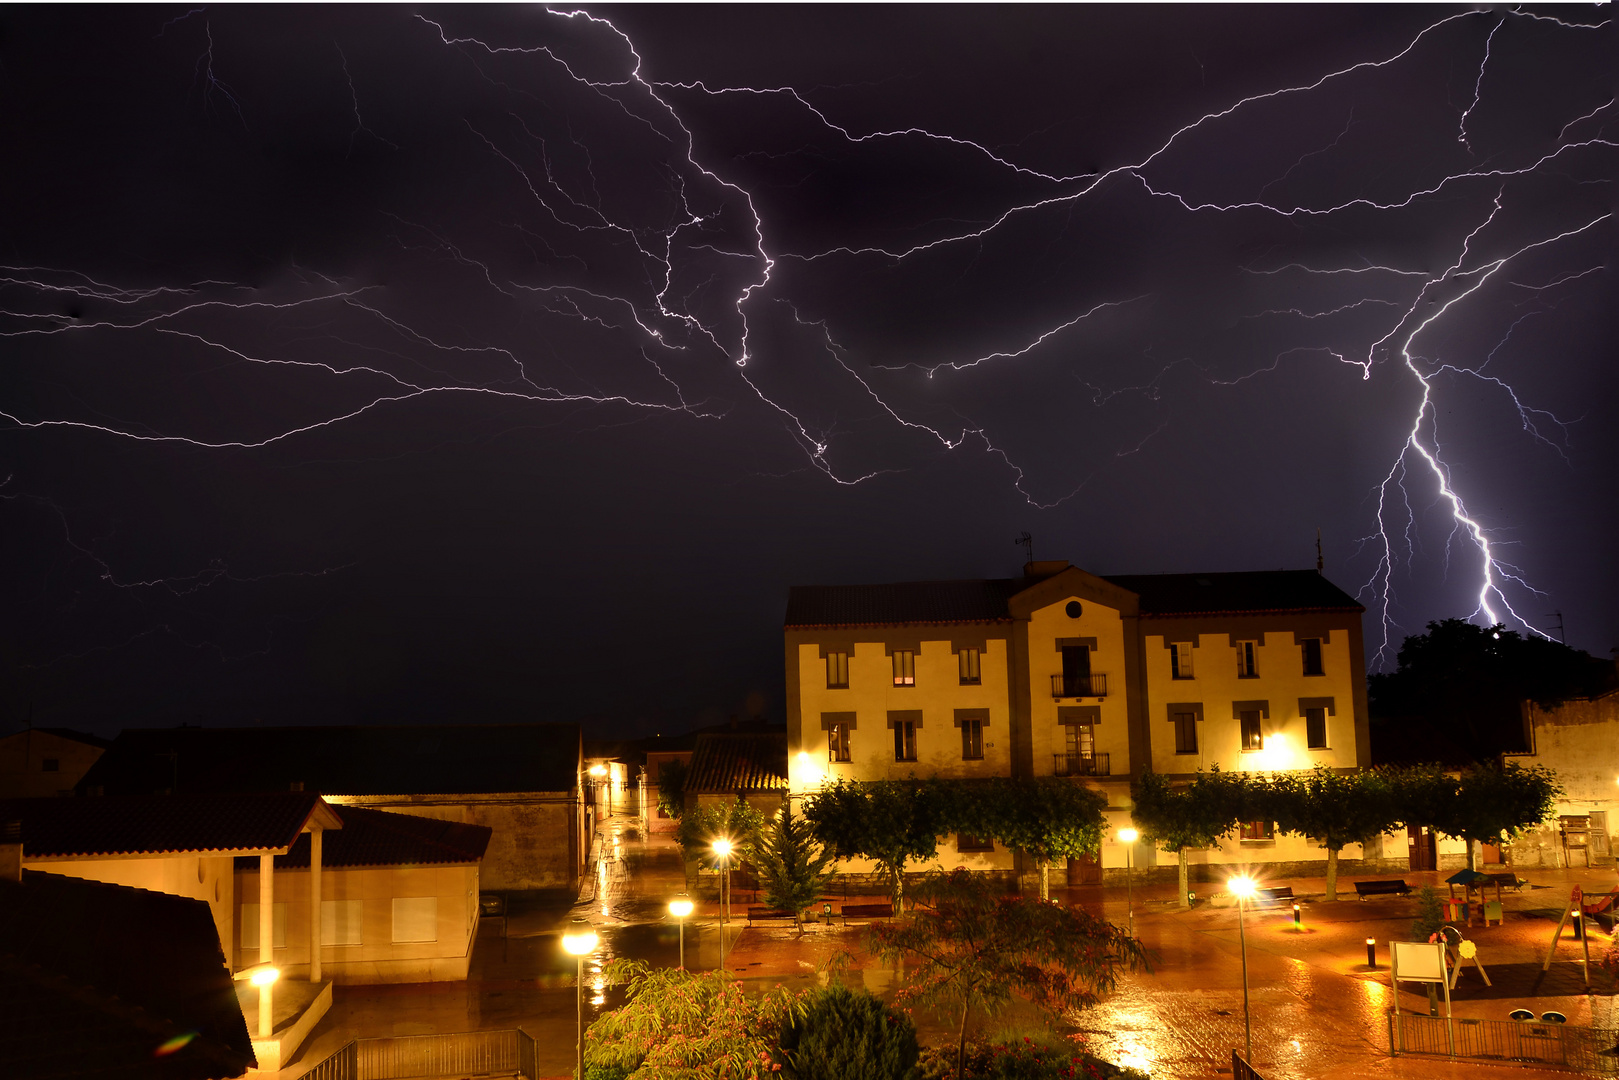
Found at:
[672, 788]
[702, 825]
[1047, 818]
[975, 947]
[1198, 815]
[684, 1025]
[1494, 801]
[848, 1035]
[891, 822]
[1332, 808]
[793, 867]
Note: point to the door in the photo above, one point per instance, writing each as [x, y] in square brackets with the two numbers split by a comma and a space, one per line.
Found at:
[1492, 854]
[1601, 845]
[1421, 850]
[1085, 870]
[1076, 670]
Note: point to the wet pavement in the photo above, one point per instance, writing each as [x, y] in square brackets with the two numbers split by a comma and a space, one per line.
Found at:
[1317, 1011]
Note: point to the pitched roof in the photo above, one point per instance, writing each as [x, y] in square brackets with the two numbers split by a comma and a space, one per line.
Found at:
[986, 600]
[94, 978]
[65, 733]
[381, 838]
[347, 760]
[161, 824]
[728, 763]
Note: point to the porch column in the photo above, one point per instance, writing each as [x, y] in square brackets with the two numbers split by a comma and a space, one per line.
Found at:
[266, 940]
[315, 836]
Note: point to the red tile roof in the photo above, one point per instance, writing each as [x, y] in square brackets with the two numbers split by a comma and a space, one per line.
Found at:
[382, 838]
[727, 763]
[160, 824]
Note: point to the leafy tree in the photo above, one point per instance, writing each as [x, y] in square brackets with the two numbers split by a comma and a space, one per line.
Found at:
[845, 1035]
[1332, 808]
[1048, 818]
[702, 825]
[672, 788]
[1493, 801]
[975, 947]
[1198, 815]
[1422, 794]
[891, 822]
[684, 1025]
[793, 867]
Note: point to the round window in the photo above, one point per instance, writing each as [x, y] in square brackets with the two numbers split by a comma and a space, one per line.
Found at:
[1073, 609]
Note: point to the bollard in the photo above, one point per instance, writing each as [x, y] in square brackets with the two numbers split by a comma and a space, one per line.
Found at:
[1297, 921]
[1371, 952]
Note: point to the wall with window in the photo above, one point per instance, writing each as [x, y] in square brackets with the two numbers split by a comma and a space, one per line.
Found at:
[1579, 740]
[36, 763]
[1074, 729]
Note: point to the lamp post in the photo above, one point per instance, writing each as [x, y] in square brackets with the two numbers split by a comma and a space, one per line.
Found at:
[680, 907]
[1243, 888]
[580, 942]
[1128, 838]
[599, 772]
[722, 848]
[262, 976]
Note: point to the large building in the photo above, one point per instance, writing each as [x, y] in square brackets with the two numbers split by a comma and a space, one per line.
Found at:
[1064, 673]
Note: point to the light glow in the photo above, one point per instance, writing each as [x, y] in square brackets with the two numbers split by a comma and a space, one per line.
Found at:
[580, 940]
[1242, 886]
[1128, 836]
[680, 906]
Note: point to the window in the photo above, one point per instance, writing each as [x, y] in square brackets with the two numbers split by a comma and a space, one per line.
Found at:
[1312, 656]
[837, 742]
[1081, 739]
[904, 740]
[340, 922]
[1180, 660]
[1315, 728]
[415, 918]
[837, 671]
[250, 926]
[964, 842]
[51, 764]
[972, 740]
[1185, 732]
[1247, 665]
[1258, 832]
[1252, 737]
[969, 667]
[904, 668]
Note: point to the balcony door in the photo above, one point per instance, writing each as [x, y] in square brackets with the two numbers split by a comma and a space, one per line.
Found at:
[1076, 669]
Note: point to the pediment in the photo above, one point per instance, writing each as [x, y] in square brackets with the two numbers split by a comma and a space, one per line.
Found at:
[1076, 584]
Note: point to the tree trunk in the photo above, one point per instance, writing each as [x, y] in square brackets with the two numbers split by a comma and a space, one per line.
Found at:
[1181, 856]
[961, 1038]
[1472, 858]
[899, 890]
[1332, 873]
[1045, 880]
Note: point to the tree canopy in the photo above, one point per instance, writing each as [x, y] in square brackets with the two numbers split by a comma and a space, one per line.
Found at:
[1048, 818]
[792, 865]
[701, 826]
[891, 822]
[1333, 808]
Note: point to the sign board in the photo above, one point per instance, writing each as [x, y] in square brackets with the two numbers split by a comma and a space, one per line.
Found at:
[1419, 961]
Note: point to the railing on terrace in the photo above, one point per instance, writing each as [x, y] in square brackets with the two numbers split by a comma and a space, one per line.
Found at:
[1082, 765]
[1594, 1051]
[1078, 686]
[469, 1053]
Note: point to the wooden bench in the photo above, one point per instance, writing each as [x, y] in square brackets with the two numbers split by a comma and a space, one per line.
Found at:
[866, 911]
[1269, 896]
[1384, 886]
[763, 913]
[1506, 881]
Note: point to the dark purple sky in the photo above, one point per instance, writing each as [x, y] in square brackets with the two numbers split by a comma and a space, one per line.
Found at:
[395, 364]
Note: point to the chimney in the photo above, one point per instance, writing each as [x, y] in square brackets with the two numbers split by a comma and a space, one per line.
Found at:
[11, 851]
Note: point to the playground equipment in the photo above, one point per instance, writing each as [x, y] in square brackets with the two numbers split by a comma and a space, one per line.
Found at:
[1575, 912]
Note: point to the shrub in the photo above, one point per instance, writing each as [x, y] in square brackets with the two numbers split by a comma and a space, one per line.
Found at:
[1430, 914]
[844, 1035]
[1039, 1059]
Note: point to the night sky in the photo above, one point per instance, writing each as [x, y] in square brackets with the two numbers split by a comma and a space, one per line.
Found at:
[415, 364]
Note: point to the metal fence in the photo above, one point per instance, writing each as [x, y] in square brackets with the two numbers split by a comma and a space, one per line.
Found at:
[1241, 1070]
[464, 1054]
[1594, 1051]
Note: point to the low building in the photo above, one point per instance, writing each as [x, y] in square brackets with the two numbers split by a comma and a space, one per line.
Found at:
[726, 764]
[1579, 741]
[46, 761]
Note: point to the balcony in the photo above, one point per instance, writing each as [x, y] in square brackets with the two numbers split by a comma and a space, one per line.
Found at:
[1081, 686]
[1081, 765]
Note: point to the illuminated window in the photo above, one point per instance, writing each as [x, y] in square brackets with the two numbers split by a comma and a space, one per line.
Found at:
[1312, 656]
[966, 843]
[904, 740]
[837, 671]
[972, 740]
[1180, 660]
[969, 667]
[1252, 737]
[837, 742]
[904, 668]
[1258, 831]
[1185, 733]
[1315, 728]
[1247, 666]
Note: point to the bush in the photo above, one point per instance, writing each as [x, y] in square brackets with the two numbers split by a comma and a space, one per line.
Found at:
[843, 1035]
[1430, 914]
[1022, 1059]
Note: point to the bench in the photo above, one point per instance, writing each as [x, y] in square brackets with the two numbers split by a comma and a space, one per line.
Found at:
[1506, 881]
[1268, 896]
[866, 911]
[1384, 886]
[763, 914]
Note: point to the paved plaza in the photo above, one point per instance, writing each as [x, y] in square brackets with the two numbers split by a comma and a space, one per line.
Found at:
[1318, 1012]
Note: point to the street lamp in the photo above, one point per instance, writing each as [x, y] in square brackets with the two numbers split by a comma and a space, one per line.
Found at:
[599, 772]
[1128, 838]
[262, 976]
[722, 848]
[1243, 888]
[680, 907]
[580, 942]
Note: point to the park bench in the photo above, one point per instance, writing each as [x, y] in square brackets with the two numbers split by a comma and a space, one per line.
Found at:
[764, 913]
[1271, 895]
[1381, 887]
[1506, 881]
[866, 911]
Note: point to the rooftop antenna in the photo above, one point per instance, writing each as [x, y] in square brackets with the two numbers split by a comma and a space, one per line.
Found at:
[1320, 563]
[1558, 615]
[1028, 545]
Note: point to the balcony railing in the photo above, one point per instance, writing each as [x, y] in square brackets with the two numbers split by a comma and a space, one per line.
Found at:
[1082, 765]
[1079, 686]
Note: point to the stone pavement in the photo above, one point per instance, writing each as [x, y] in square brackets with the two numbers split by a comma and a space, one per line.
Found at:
[1318, 1012]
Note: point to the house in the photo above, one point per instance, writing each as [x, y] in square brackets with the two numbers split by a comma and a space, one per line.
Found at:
[46, 761]
[112, 982]
[525, 782]
[1064, 673]
[728, 764]
[1577, 739]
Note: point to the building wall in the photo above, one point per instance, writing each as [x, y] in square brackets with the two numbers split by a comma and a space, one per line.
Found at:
[535, 840]
[1579, 741]
[655, 760]
[1048, 627]
[23, 758]
[199, 877]
[378, 958]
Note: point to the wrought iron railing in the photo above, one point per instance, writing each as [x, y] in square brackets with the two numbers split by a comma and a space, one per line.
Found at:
[1594, 1051]
[1078, 686]
[1082, 765]
[466, 1053]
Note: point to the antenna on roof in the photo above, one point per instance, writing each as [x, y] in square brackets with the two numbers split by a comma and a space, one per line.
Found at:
[1028, 545]
[1320, 563]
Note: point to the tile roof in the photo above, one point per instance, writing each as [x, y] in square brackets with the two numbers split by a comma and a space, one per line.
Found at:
[727, 763]
[382, 838]
[1232, 593]
[95, 977]
[158, 824]
[347, 760]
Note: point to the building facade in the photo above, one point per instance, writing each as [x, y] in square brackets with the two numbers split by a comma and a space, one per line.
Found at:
[1064, 673]
[1579, 740]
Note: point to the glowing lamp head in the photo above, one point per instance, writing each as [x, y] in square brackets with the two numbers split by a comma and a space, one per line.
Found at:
[722, 847]
[1242, 886]
[1371, 941]
[580, 939]
[1128, 836]
[680, 906]
[264, 976]
[598, 771]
